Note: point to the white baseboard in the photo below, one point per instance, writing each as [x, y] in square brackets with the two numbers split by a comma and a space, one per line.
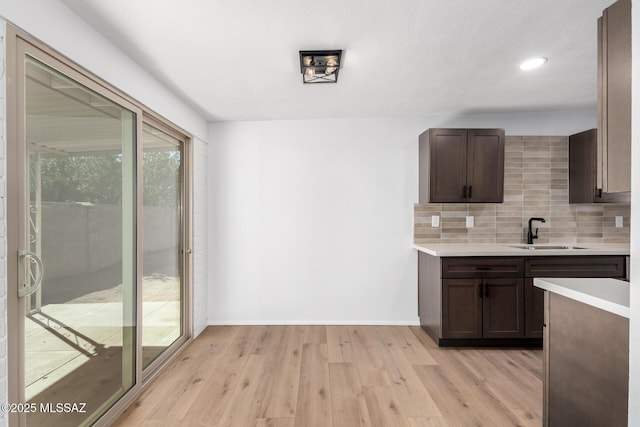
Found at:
[415, 322]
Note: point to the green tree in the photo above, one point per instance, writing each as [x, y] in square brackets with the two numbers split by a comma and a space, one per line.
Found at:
[91, 178]
[97, 178]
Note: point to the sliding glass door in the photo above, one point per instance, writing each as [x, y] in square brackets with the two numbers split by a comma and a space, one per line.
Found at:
[98, 223]
[162, 265]
[78, 259]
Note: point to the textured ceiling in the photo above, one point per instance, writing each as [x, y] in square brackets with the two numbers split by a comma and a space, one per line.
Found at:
[238, 59]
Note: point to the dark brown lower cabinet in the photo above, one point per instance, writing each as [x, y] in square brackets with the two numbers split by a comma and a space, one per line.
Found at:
[482, 308]
[492, 300]
[561, 266]
[503, 308]
[533, 309]
[462, 308]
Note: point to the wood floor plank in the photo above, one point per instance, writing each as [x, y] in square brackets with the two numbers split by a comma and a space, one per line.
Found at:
[473, 400]
[384, 408]
[282, 390]
[514, 388]
[315, 334]
[213, 340]
[530, 360]
[175, 405]
[244, 407]
[427, 422]
[269, 376]
[216, 392]
[314, 401]
[367, 356]
[424, 338]
[177, 402]
[413, 350]
[339, 344]
[268, 339]
[347, 400]
[275, 422]
[414, 398]
[160, 423]
[477, 388]
[451, 401]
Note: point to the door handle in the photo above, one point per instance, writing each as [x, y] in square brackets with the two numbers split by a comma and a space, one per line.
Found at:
[480, 290]
[464, 192]
[470, 187]
[25, 286]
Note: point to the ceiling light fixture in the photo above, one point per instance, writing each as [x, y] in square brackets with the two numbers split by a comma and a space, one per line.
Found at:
[320, 66]
[533, 63]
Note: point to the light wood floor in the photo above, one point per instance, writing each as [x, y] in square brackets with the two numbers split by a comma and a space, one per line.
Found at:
[340, 376]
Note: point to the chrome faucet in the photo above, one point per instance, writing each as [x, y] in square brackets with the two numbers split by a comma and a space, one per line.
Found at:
[530, 235]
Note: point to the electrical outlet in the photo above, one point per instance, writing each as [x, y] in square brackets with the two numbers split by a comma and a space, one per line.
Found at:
[470, 222]
[619, 222]
[435, 221]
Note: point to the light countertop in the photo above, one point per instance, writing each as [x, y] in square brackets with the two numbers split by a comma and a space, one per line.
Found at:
[506, 249]
[606, 294]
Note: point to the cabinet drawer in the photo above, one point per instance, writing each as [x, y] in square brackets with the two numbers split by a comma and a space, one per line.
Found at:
[576, 266]
[482, 267]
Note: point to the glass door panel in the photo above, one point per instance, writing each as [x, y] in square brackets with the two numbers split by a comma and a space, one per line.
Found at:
[162, 308]
[80, 222]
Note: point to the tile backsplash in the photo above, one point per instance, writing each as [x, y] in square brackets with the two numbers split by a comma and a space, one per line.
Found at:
[536, 184]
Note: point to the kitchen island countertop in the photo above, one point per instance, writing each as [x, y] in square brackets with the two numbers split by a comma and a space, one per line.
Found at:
[611, 295]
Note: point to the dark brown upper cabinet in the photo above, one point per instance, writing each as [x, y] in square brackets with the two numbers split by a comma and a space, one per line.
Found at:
[614, 99]
[583, 172]
[462, 166]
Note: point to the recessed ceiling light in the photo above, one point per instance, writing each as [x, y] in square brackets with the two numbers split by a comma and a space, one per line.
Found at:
[533, 63]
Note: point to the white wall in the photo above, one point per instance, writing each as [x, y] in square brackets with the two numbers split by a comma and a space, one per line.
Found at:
[634, 339]
[311, 222]
[312, 219]
[200, 243]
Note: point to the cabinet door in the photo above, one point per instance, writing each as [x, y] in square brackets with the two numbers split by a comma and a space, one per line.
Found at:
[447, 165]
[485, 165]
[614, 97]
[582, 167]
[461, 308]
[503, 308]
[533, 310]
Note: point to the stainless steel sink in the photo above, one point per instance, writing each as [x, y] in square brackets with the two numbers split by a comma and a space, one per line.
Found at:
[546, 247]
